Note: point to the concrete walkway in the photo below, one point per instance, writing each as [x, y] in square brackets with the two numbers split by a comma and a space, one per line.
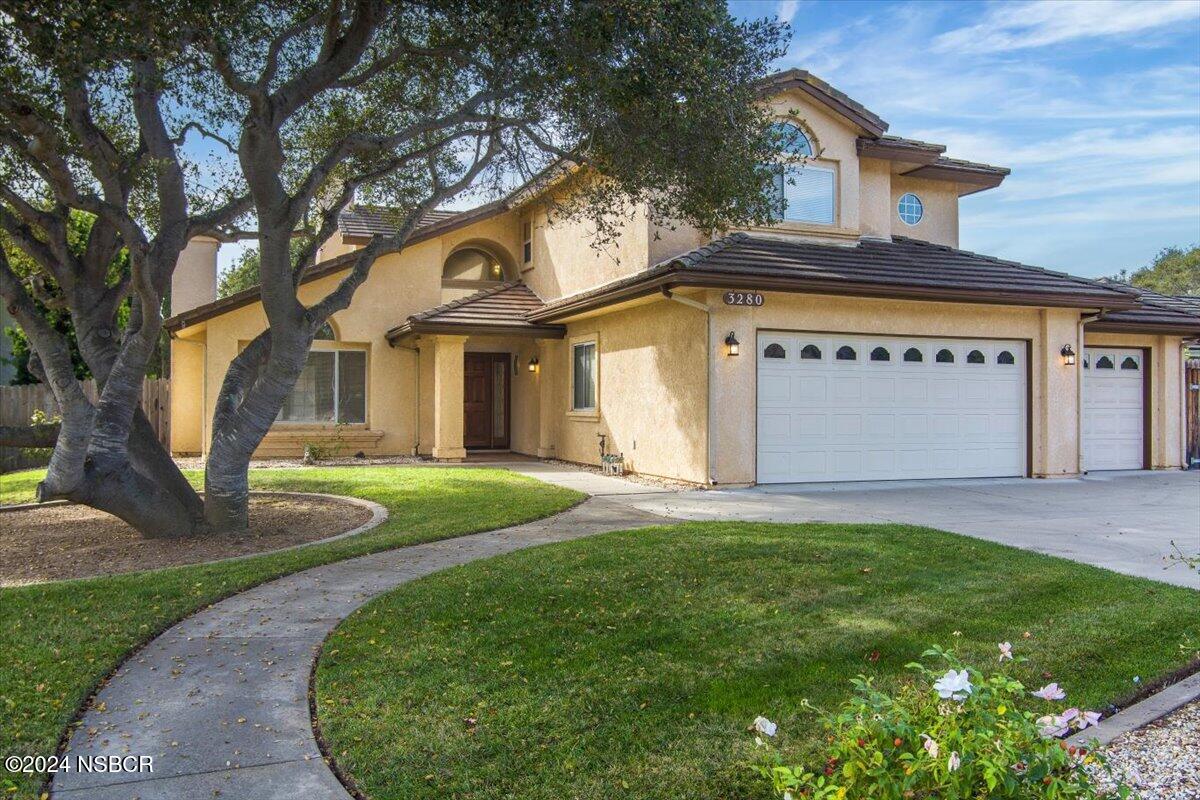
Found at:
[220, 701]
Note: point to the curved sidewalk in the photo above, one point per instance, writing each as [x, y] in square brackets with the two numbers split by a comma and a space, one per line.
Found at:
[220, 700]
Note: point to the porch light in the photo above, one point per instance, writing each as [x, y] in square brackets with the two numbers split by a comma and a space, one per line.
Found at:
[533, 364]
[731, 344]
[1068, 355]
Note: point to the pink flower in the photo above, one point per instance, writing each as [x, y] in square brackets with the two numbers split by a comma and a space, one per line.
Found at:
[1051, 726]
[1005, 650]
[1051, 691]
[953, 763]
[1089, 718]
[1068, 716]
[930, 746]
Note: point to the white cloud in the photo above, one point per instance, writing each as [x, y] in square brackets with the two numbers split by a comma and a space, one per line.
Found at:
[785, 11]
[1016, 26]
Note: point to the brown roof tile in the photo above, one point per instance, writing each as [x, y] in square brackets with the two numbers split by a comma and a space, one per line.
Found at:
[500, 310]
[367, 221]
[903, 268]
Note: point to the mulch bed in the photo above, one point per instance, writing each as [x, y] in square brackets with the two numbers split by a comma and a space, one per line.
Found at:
[58, 542]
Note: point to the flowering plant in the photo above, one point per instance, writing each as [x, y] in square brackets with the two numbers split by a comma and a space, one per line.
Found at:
[954, 732]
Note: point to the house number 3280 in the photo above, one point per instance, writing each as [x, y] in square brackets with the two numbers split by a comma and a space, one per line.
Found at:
[744, 299]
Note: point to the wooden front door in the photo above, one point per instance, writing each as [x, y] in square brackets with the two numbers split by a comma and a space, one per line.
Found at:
[485, 400]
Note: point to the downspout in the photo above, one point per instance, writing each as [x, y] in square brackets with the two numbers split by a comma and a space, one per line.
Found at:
[708, 355]
[1079, 335]
[416, 351]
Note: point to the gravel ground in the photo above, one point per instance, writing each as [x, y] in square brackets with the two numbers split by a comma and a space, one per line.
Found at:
[632, 477]
[1162, 760]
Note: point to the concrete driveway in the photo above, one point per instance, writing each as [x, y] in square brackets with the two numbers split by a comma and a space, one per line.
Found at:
[1121, 521]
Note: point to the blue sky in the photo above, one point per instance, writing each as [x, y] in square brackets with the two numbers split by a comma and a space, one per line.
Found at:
[1094, 105]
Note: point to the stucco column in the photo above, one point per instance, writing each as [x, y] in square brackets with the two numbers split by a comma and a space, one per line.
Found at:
[1056, 396]
[448, 398]
[548, 398]
[733, 445]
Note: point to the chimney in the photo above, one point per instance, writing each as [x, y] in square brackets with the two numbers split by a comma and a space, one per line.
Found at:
[195, 280]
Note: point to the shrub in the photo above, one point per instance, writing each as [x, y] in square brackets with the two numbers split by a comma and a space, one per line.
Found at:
[952, 733]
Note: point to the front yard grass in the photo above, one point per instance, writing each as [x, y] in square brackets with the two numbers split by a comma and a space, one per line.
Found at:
[629, 665]
[59, 639]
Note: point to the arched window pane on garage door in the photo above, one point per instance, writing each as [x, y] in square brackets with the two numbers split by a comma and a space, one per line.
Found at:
[1005, 357]
[880, 354]
[975, 357]
[944, 356]
[774, 350]
[1129, 363]
[913, 354]
[846, 353]
[1104, 362]
[810, 352]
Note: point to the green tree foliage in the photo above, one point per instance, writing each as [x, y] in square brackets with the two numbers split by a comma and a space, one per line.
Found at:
[1174, 271]
[48, 299]
[244, 272]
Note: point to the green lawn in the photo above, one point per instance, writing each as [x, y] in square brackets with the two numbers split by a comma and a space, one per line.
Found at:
[58, 640]
[629, 665]
[18, 487]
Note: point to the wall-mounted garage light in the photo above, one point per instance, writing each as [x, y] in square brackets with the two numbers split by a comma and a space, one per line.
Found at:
[1068, 355]
[533, 364]
[731, 344]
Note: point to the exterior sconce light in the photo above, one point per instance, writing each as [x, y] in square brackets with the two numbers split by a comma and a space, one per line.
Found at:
[533, 364]
[731, 344]
[1068, 355]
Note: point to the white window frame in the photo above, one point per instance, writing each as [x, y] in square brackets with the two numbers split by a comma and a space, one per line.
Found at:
[527, 243]
[835, 182]
[900, 203]
[583, 341]
[336, 350]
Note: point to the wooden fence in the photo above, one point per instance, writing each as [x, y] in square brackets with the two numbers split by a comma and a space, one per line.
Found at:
[17, 404]
[1191, 386]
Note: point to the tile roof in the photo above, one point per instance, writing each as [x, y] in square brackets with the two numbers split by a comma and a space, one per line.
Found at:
[822, 91]
[1170, 312]
[500, 309]
[367, 221]
[903, 267]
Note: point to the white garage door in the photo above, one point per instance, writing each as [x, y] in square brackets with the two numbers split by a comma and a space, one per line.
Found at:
[850, 408]
[1112, 408]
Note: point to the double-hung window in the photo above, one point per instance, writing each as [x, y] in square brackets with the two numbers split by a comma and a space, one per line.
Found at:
[332, 388]
[806, 193]
[583, 376]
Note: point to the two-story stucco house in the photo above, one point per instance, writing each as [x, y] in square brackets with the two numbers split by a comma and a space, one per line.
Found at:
[852, 341]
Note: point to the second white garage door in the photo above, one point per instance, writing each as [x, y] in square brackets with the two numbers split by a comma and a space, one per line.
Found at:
[849, 408]
[1113, 390]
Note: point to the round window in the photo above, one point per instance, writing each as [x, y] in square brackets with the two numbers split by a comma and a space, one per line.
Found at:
[911, 208]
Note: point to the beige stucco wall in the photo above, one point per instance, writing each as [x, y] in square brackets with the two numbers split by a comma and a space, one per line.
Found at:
[1054, 433]
[874, 198]
[1166, 391]
[652, 391]
[939, 223]
[188, 410]
[399, 285]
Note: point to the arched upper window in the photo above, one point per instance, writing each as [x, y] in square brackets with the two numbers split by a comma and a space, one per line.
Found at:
[325, 332]
[1104, 362]
[473, 264]
[880, 354]
[846, 353]
[810, 352]
[774, 350]
[975, 357]
[792, 140]
[944, 356]
[913, 354]
[1005, 357]
[1129, 363]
